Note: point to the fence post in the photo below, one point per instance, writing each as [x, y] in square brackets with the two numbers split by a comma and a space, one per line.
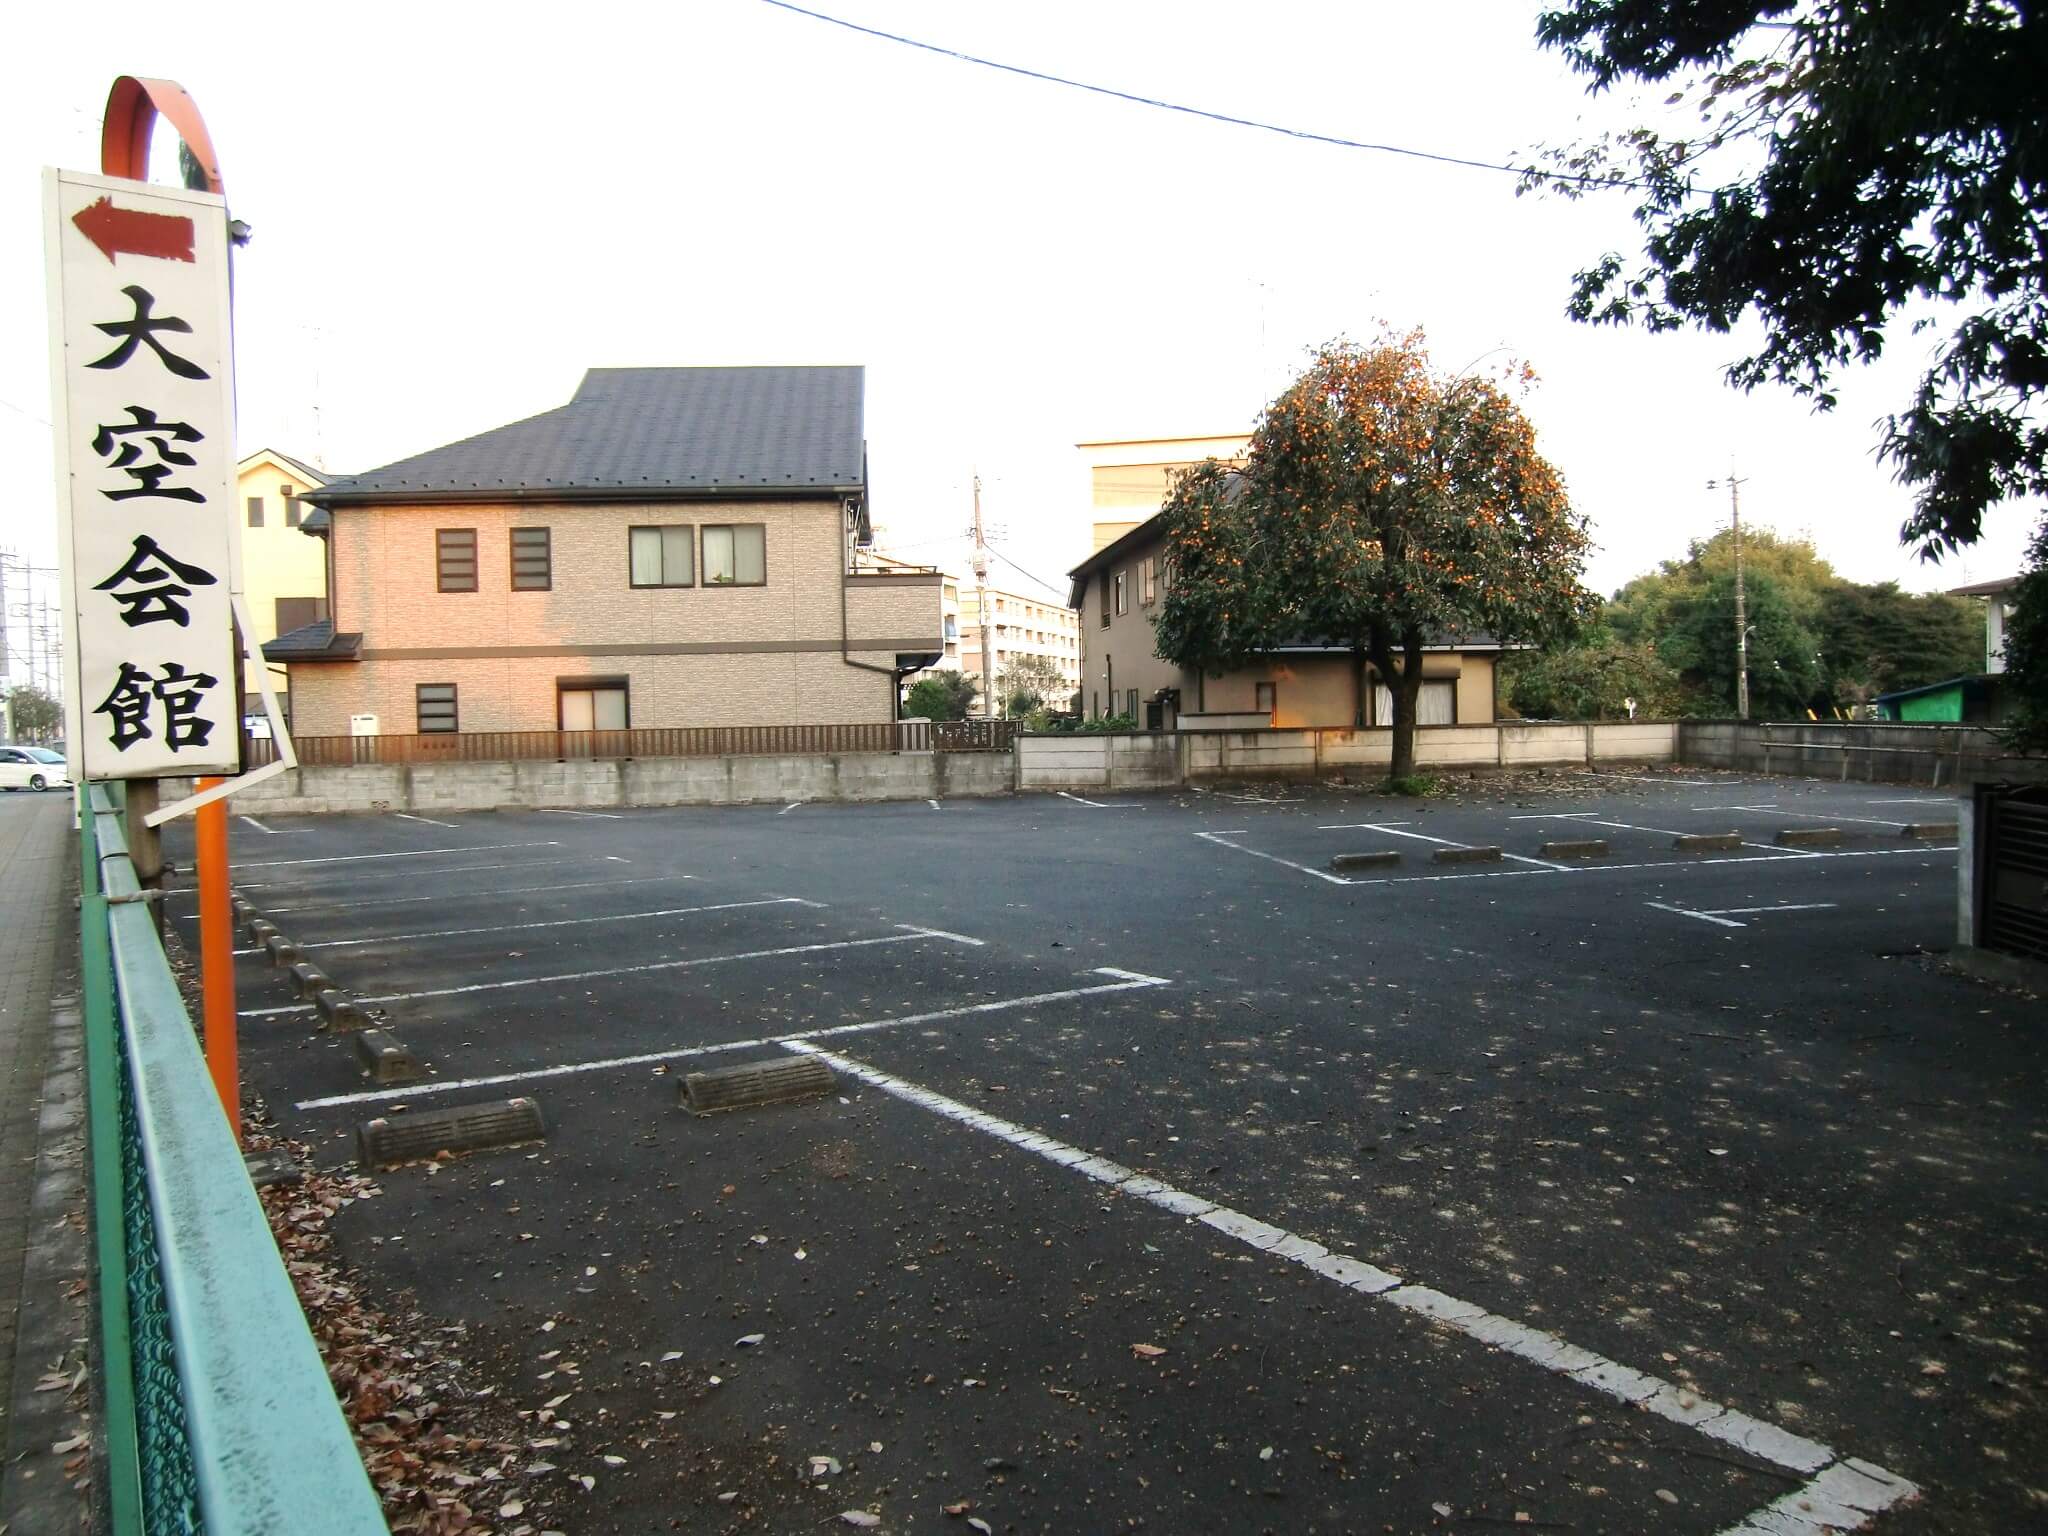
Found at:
[103, 1123]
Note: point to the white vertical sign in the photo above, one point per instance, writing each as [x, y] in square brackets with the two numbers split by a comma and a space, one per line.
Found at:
[143, 403]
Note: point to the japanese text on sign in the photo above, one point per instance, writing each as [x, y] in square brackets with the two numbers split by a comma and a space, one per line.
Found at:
[145, 475]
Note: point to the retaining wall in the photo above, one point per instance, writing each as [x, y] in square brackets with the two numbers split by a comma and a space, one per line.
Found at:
[611, 783]
[1940, 756]
[1137, 760]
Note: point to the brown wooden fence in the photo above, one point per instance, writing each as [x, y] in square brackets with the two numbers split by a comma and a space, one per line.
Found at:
[974, 735]
[659, 741]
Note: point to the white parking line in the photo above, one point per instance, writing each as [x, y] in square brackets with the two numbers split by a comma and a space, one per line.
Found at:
[1219, 839]
[1389, 827]
[1776, 856]
[1705, 917]
[1642, 778]
[1099, 805]
[268, 831]
[600, 815]
[1127, 981]
[1842, 1494]
[1830, 816]
[411, 853]
[530, 890]
[407, 816]
[1788, 906]
[909, 936]
[565, 922]
[1918, 800]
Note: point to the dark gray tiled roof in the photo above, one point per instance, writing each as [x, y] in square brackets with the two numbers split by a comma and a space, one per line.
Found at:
[650, 431]
[314, 642]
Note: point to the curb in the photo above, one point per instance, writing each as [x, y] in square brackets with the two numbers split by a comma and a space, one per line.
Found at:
[1707, 842]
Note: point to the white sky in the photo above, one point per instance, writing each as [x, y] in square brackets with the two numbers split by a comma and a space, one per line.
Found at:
[460, 207]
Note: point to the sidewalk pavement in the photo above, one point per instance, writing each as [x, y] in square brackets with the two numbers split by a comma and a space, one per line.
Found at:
[44, 1313]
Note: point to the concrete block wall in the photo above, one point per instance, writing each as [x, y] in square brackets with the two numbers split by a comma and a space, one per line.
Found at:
[1144, 762]
[1467, 746]
[1648, 741]
[1063, 762]
[1931, 755]
[611, 783]
[1345, 750]
[1527, 745]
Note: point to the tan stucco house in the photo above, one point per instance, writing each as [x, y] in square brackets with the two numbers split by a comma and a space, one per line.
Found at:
[1117, 591]
[673, 547]
[284, 574]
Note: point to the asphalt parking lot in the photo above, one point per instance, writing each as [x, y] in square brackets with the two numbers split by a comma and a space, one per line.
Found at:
[1177, 1181]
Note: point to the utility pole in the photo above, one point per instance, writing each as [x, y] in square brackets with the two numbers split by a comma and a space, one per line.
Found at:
[988, 672]
[1735, 484]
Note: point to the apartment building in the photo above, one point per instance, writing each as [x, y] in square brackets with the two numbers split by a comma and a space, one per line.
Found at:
[672, 547]
[1019, 625]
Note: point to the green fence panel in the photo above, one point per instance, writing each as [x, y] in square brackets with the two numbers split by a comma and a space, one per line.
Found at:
[238, 1429]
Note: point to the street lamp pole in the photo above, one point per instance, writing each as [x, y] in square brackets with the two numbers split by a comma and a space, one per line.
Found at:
[1735, 484]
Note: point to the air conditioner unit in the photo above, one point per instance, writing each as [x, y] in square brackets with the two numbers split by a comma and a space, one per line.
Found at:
[362, 725]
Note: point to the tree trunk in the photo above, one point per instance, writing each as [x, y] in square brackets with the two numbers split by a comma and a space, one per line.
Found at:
[1404, 683]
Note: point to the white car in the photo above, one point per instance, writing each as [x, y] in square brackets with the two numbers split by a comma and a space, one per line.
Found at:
[32, 768]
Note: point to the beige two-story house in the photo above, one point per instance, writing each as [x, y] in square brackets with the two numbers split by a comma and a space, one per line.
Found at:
[673, 547]
[1117, 591]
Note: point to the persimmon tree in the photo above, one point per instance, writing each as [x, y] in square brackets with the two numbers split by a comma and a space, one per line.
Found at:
[1381, 507]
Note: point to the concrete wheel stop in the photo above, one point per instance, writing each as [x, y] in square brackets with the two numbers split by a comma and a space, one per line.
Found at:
[755, 1083]
[390, 1140]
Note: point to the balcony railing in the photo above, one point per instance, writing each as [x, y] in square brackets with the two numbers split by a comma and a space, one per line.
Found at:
[219, 1413]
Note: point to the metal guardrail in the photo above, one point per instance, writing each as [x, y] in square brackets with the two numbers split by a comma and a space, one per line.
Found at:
[220, 1415]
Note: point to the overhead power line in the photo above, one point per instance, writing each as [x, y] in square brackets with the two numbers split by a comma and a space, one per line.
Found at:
[1013, 565]
[1214, 117]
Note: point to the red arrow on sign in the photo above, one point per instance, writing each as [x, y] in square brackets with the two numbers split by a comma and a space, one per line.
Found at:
[139, 234]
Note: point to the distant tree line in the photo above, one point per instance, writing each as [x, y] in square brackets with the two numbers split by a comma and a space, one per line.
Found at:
[1817, 641]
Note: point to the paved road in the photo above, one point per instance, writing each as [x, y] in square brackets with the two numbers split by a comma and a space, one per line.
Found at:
[36, 920]
[1175, 1183]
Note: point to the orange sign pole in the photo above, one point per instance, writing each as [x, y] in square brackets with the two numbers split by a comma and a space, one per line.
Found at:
[133, 106]
[217, 957]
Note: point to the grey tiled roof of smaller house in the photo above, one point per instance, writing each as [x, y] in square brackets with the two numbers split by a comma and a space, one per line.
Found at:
[314, 642]
[656, 432]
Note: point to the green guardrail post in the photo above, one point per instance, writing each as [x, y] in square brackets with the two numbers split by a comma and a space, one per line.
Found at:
[103, 1119]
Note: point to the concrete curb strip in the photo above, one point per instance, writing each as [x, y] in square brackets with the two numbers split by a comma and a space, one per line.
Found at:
[337, 1012]
[1809, 837]
[308, 980]
[1383, 859]
[1707, 842]
[755, 1082]
[1930, 831]
[383, 1142]
[383, 1059]
[283, 952]
[1576, 848]
[1467, 855]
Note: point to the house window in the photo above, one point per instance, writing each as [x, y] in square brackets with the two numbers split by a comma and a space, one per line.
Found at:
[290, 498]
[1131, 708]
[663, 557]
[591, 704]
[1122, 594]
[434, 705]
[297, 612]
[1437, 704]
[1105, 599]
[255, 511]
[735, 555]
[1148, 581]
[1265, 697]
[533, 567]
[455, 559]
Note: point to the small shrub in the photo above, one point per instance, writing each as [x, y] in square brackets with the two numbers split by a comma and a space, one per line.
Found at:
[1414, 785]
